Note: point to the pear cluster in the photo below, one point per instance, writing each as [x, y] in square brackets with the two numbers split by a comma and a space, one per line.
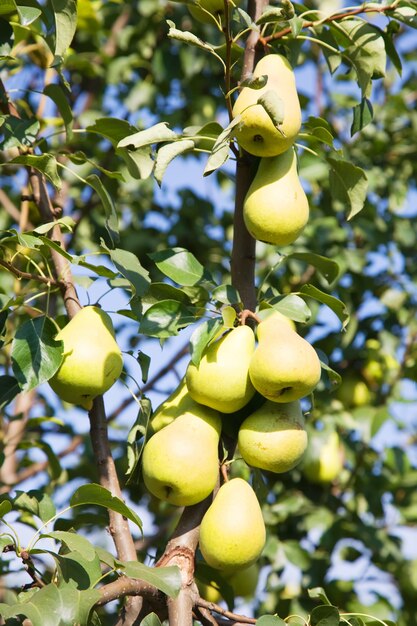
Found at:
[180, 460]
[275, 208]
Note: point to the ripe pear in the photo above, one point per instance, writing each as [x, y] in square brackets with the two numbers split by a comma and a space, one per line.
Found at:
[284, 366]
[180, 462]
[176, 403]
[276, 208]
[256, 133]
[325, 460]
[232, 531]
[221, 380]
[274, 438]
[199, 8]
[92, 359]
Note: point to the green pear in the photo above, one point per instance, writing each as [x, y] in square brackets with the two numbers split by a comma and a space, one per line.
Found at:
[245, 581]
[256, 133]
[324, 462]
[284, 366]
[92, 359]
[276, 208]
[201, 10]
[232, 531]
[180, 462]
[353, 392]
[221, 380]
[176, 404]
[274, 438]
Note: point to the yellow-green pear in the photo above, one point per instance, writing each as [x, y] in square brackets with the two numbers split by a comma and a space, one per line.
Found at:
[284, 366]
[201, 10]
[274, 438]
[276, 208]
[256, 132]
[92, 359]
[325, 460]
[176, 404]
[353, 392]
[180, 462]
[221, 380]
[232, 531]
[245, 581]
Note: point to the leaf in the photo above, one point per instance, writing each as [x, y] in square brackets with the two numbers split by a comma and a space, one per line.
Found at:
[36, 502]
[324, 615]
[271, 14]
[46, 164]
[270, 620]
[57, 94]
[112, 128]
[320, 129]
[202, 335]
[166, 579]
[9, 388]
[7, 6]
[5, 508]
[75, 570]
[165, 318]
[348, 184]
[296, 25]
[336, 305]
[18, 132]
[179, 265]
[138, 162]
[28, 14]
[274, 106]
[75, 542]
[155, 134]
[129, 266]
[257, 82]
[318, 593]
[362, 115]
[136, 434]
[217, 158]
[98, 495]
[6, 39]
[291, 306]
[112, 224]
[328, 269]
[187, 37]
[36, 356]
[226, 294]
[65, 15]
[151, 620]
[167, 153]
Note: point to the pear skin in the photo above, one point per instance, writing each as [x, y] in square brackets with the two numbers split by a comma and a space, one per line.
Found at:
[275, 208]
[325, 461]
[176, 404]
[274, 438]
[256, 133]
[92, 359]
[284, 366]
[221, 380]
[232, 531]
[180, 462]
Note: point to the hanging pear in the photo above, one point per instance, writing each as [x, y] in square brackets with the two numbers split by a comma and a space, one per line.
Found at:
[324, 460]
[221, 380]
[273, 438]
[171, 408]
[92, 359]
[180, 462]
[284, 366]
[257, 133]
[232, 531]
[276, 208]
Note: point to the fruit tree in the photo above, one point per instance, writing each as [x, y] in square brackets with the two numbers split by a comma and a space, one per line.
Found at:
[208, 313]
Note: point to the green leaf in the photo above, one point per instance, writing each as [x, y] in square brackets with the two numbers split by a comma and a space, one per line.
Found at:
[28, 14]
[99, 496]
[271, 14]
[186, 37]
[379, 419]
[179, 265]
[138, 162]
[9, 388]
[324, 615]
[36, 502]
[274, 106]
[257, 82]
[336, 305]
[155, 134]
[136, 439]
[291, 306]
[226, 294]
[318, 593]
[5, 540]
[5, 508]
[46, 164]
[112, 128]
[36, 356]
[165, 318]
[217, 158]
[296, 25]
[203, 334]
[348, 185]
[75, 570]
[8, 6]
[57, 94]
[129, 266]
[270, 620]
[328, 269]
[65, 15]
[151, 620]
[167, 153]
[362, 115]
[74, 541]
[167, 579]
[18, 132]
[112, 224]
[320, 129]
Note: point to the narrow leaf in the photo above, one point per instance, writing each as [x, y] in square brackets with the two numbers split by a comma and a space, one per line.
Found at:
[167, 153]
[129, 266]
[9, 388]
[155, 134]
[274, 106]
[99, 496]
[336, 305]
[56, 93]
[65, 14]
[328, 268]
[112, 223]
[186, 37]
[348, 184]
[362, 115]
[203, 334]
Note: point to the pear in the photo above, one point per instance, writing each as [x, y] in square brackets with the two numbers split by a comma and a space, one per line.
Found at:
[245, 581]
[232, 531]
[92, 359]
[180, 462]
[274, 438]
[199, 8]
[276, 208]
[221, 380]
[284, 366]
[324, 462]
[176, 404]
[256, 133]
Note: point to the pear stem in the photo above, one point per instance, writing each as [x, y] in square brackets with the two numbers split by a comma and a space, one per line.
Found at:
[248, 314]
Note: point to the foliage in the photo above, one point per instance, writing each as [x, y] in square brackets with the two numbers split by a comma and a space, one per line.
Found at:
[109, 110]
